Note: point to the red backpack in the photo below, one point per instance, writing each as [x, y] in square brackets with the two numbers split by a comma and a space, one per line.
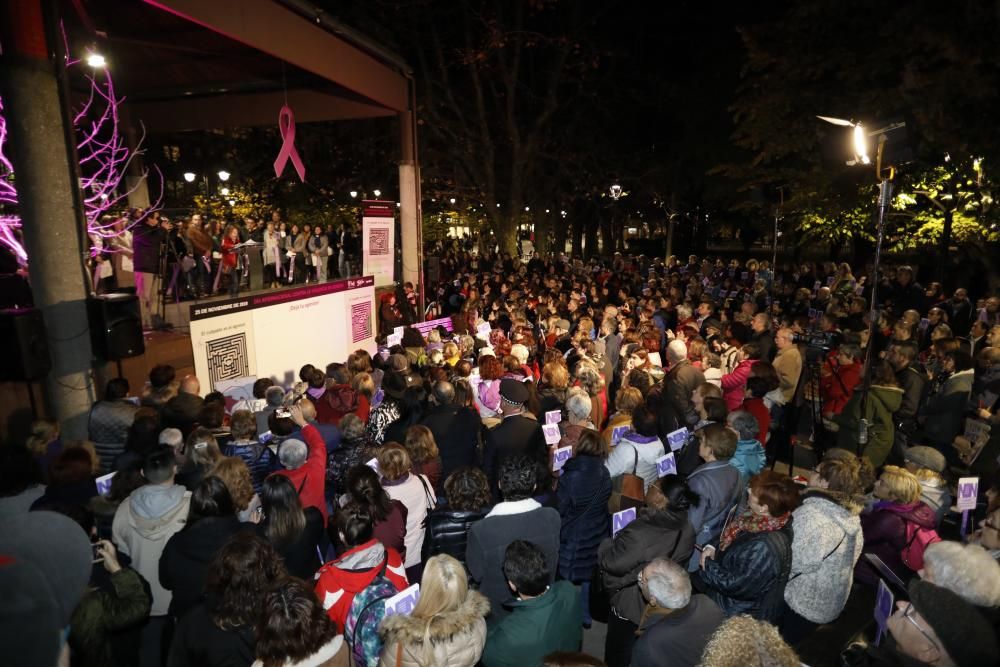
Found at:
[918, 538]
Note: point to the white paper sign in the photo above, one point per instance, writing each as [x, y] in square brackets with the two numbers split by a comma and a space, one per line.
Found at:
[553, 416]
[666, 465]
[393, 339]
[621, 519]
[552, 434]
[484, 329]
[402, 603]
[677, 439]
[560, 456]
[968, 490]
[373, 464]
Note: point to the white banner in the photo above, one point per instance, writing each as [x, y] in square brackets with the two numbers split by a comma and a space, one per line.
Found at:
[378, 241]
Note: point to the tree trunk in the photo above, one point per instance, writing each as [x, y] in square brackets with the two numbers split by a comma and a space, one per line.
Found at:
[945, 246]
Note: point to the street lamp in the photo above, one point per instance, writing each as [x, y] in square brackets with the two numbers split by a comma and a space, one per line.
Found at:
[189, 176]
[616, 191]
[354, 194]
[223, 175]
[96, 60]
[452, 200]
[377, 193]
[224, 192]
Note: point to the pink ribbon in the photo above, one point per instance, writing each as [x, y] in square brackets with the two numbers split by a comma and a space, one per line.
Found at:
[286, 126]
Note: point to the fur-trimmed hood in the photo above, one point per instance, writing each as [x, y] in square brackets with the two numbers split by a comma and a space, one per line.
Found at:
[853, 504]
[410, 630]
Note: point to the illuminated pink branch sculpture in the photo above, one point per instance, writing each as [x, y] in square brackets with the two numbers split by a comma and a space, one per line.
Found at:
[105, 159]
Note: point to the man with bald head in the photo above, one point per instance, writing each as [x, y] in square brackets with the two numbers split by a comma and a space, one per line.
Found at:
[455, 428]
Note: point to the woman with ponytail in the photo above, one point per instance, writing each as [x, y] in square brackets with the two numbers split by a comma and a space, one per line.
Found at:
[446, 628]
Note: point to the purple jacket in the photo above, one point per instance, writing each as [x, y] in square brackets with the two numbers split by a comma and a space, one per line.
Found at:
[884, 529]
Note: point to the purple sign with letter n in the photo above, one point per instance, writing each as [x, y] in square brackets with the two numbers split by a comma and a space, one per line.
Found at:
[666, 465]
[883, 609]
[968, 490]
[677, 439]
[402, 603]
[621, 519]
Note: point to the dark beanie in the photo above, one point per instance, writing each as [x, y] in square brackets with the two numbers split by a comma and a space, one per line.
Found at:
[965, 634]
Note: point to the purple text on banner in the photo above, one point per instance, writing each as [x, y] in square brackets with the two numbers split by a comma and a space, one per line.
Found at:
[666, 465]
[560, 456]
[104, 483]
[402, 603]
[621, 519]
[883, 608]
[677, 439]
[551, 433]
[424, 327]
[553, 416]
[618, 432]
[968, 490]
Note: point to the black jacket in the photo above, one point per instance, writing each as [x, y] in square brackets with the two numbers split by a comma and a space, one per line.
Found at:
[181, 412]
[146, 241]
[682, 635]
[301, 556]
[456, 432]
[665, 534]
[185, 559]
[912, 383]
[514, 435]
[199, 642]
[447, 532]
[750, 576]
[583, 492]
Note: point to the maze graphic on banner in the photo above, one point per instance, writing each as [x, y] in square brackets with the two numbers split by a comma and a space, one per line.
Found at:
[378, 241]
[227, 358]
[361, 321]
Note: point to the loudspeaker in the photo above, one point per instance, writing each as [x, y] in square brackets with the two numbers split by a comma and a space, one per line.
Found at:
[25, 347]
[115, 326]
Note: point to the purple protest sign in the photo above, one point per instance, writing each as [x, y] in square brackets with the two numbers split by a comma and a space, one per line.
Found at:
[618, 432]
[883, 609]
[666, 465]
[104, 483]
[968, 490]
[553, 416]
[621, 519]
[551, 433]
[677, 439]
[402, 603]
[560, 456]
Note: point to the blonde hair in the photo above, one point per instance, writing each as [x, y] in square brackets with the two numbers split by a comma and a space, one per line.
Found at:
[900, 485]
[394, 461]
[628, 400]
[202, 448]
[43, 431]
[555, 375]
[743, 641]
[235, 474]
[363, 383]
[420, 444]
[443, 588]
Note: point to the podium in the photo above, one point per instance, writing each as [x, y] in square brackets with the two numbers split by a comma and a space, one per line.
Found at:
[255, 266]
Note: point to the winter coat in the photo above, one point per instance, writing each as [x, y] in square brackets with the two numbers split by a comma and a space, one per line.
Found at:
[108, 427]
[417, 495]
[340, 580]
[337, 401]
[679, 383]
[536, 628]
[826, 545]
[584, 489]
[682, 634]
[334, 653]
[146, 240]
[456, 431]
[447, 531]
[102, 615]
[717, 485]
[489, 538]
[883, 401]
[788, 364]
[734, 384]
[749, 576]
[310, 478]
[623, 457]
[945, 411]
[300, 557]
[836, 392]
[516, 434]
[935, 494]
[260, 459]
[885, 536]
[912, 382]
[749, 459]
[457, 636]
[142, 525]
[186, 556]
[199, 642]
[653, 534]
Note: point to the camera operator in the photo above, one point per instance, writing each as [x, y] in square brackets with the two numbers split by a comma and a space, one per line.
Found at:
[148, 236]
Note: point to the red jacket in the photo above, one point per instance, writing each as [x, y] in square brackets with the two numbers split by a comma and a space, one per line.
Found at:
[734, 384]
[228, 254]
[337, 401]
[310, 478]
[340, 580]
[836, 393]
[758, 409]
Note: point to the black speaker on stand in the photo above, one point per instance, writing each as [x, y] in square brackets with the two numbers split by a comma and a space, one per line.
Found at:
[115, 327]
[25, 356]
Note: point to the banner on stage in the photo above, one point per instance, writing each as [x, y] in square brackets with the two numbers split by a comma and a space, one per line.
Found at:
[378, 242]
[274, 334]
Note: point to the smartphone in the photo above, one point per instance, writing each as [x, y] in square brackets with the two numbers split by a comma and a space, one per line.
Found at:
[282, 413]
[95, 551]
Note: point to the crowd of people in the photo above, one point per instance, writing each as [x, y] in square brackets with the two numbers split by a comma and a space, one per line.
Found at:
[688, 452]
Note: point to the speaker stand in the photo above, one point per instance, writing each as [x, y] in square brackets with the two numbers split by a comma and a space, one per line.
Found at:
[31, 400]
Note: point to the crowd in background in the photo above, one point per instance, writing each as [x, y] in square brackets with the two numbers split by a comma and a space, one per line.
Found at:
[688, 452]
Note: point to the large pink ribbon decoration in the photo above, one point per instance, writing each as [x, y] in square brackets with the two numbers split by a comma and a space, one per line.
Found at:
[286, 126]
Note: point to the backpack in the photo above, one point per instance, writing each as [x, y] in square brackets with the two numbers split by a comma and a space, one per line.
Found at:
[918, 539]
[365, 615]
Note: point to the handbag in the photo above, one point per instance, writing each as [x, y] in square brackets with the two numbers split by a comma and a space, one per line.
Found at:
[628, 489]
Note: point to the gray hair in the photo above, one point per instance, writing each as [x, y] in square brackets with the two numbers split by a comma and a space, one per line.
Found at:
[351, 426]
[683, 311]
[668, 583]
[444, 393]
[519, 352]
[172, 437]
[744, 423]
[676, 350]
[578, 404]
[967, 570]
[274, 396]
[293, 453]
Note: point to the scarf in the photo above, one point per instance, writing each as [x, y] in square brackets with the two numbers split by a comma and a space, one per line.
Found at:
[748, 522]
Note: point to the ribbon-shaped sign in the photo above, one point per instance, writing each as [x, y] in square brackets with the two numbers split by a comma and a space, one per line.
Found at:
[286, 126]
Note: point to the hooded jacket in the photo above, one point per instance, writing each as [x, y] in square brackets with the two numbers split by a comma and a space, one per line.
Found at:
[945, 410]
[826, 545]
[457, 636]
[883, 401]
[749, 459]
[885, 536]
[583, 493]
[340, 580]
[141, 528]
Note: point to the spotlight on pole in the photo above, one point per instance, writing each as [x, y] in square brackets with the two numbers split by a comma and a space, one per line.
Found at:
[96, 60]
[189, 176]
[223, 175]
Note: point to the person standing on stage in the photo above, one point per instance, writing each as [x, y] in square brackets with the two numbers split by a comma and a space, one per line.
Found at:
[147, 238]
[231, 259]
[318, 248]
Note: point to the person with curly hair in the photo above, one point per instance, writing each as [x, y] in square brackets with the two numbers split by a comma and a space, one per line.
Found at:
[468, 493]
[235, 474]
[743, 641]
[294, 630]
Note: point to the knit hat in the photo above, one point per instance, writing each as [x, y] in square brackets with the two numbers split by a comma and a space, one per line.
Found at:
[514, 392]
[563, 324]
[964, 633]
[925, 457]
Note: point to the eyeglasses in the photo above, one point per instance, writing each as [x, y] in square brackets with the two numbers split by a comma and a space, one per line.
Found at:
[908, 615]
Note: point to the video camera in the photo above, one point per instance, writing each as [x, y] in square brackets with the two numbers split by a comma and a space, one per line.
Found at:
[817, 340]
